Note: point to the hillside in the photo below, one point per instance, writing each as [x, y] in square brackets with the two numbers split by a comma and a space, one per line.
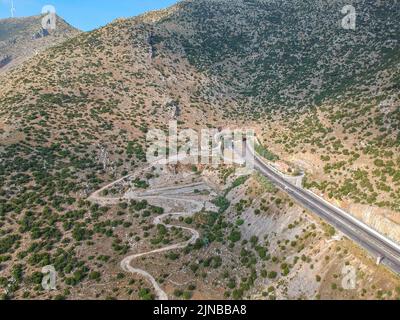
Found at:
[21, 38]
[288, 54]
[73, 119]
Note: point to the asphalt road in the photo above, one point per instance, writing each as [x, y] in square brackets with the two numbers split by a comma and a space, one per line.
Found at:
[375, 243]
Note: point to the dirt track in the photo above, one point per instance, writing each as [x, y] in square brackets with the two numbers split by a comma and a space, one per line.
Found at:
[165, 194]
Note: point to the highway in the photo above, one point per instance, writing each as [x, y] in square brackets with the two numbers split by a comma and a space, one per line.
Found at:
[376, 244]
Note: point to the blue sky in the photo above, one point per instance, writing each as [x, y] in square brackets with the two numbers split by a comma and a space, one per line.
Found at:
[85, 14]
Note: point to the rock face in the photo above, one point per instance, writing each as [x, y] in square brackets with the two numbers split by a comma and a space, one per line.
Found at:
[21, 38]
[376, 218]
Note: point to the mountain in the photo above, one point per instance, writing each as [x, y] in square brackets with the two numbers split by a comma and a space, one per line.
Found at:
[322, 99]
[285, 53]
[21, 38]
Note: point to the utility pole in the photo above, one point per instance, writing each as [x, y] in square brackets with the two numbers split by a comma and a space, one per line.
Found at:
[12, 9]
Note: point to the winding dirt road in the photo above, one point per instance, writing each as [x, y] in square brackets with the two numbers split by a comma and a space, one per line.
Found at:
[126, 264]
[197, 206]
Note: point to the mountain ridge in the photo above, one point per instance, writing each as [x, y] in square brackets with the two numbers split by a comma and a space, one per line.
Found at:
[22, 38]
